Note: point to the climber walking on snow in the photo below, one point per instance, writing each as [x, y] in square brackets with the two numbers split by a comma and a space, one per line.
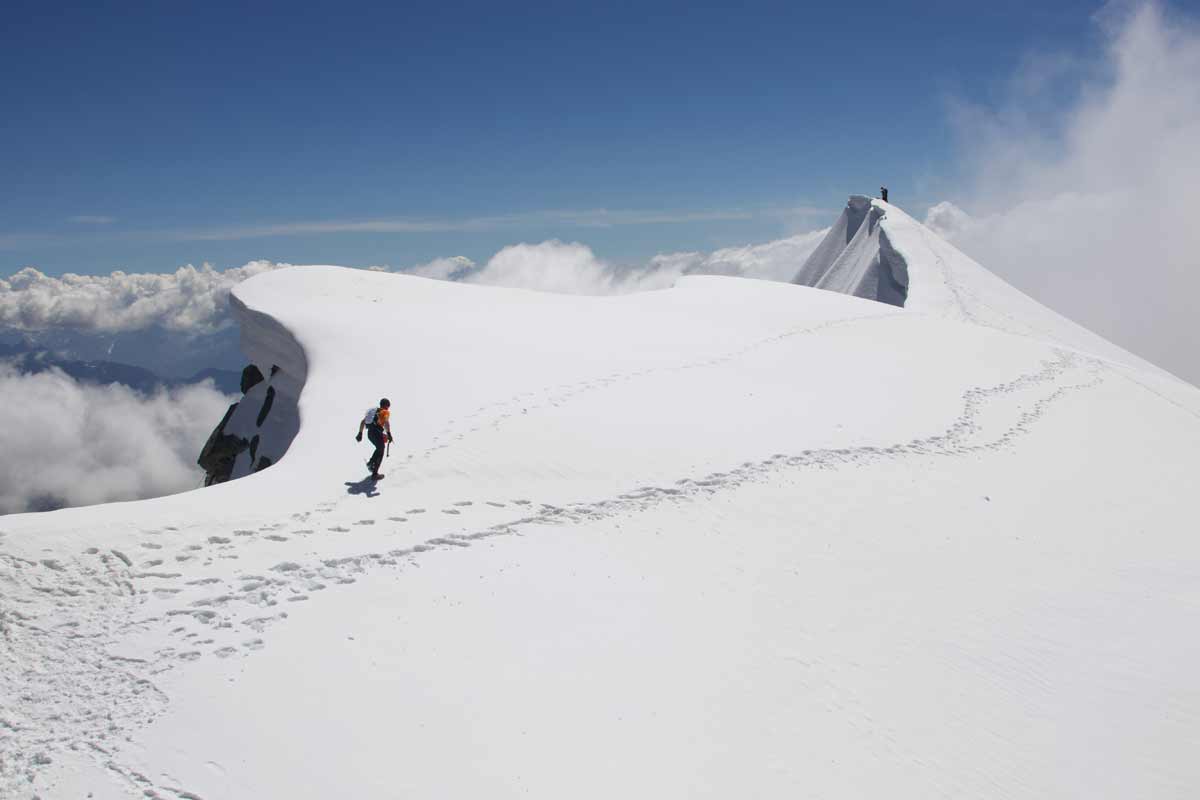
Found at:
[379, 431]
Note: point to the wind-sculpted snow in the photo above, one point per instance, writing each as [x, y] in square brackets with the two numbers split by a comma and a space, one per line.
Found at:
[876, 251]
[689, 533]
[855, 258]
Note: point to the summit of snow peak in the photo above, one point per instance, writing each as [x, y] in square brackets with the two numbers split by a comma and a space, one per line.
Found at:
[876, 251]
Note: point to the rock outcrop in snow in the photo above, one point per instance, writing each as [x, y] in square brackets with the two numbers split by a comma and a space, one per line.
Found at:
[258, 429]
[220, 451]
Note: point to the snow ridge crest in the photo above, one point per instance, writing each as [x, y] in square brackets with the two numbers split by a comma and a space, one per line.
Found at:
[857, 258]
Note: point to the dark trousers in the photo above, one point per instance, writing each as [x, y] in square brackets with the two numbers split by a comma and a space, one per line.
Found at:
[375, 434]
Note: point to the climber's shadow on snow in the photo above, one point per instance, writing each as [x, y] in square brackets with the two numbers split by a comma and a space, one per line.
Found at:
[365, 487]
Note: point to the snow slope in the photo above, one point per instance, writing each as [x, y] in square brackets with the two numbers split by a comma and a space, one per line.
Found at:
[730, 539]
[877, 251]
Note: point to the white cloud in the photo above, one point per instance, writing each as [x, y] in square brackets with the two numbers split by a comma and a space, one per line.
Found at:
[776, 261]
[446, 269]
[67, 444]
[1095, 211]
[195, 300]
[187, 299]
[573, 268]
[92, 219]
[948, 220]
[553, 266]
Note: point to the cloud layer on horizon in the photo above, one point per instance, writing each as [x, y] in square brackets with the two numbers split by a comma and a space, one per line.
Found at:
[196, 299]
[1093, 210]
[573, 268]
[104, 444]
[188, 299]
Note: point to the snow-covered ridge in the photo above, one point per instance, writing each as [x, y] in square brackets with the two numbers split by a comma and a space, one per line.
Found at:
[877, 251]
[856, 257]
[874, 251]
[266, 341]
[732, 538]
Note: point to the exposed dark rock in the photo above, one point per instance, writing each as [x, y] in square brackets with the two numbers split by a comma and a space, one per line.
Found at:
[268, 401]
[276, 417]
[220, 451]
[251, 376]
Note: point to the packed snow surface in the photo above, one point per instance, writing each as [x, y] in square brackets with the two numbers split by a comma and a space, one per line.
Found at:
[729, 539]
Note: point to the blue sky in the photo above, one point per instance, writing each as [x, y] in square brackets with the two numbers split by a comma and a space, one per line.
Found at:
[143, 137]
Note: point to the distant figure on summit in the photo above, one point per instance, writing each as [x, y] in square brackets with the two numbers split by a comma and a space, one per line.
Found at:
[378, 426]
[883, 193]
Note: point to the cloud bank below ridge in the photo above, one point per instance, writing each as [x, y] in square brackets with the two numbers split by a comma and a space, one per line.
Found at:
[188, 299]
[573, 268]
[196, 299]
[67, 443]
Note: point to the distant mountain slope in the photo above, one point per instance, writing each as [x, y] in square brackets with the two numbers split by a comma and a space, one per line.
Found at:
[142, 380]
[876, 251]
[730, 539]
[174, 355]
[226, 380]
